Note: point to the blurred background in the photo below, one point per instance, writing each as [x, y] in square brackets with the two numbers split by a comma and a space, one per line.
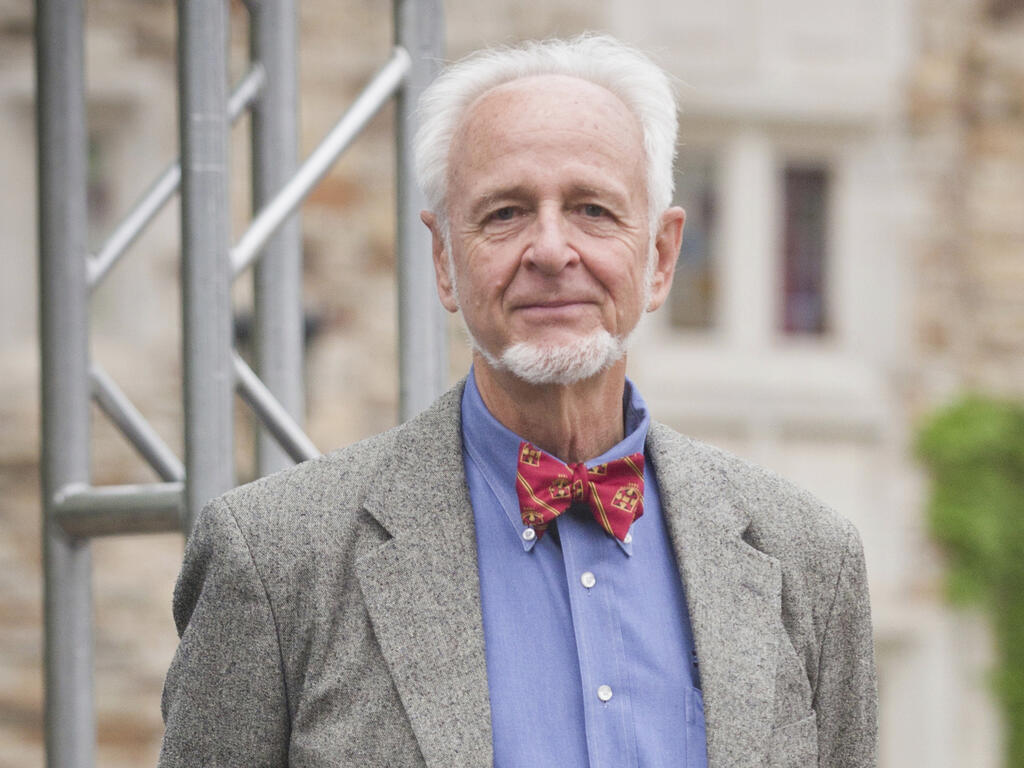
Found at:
[853, 262]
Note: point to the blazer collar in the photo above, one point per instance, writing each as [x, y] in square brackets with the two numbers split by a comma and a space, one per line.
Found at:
[422, 588]
[733, 593]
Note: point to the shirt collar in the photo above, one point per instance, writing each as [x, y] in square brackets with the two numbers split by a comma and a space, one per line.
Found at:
[494, 448]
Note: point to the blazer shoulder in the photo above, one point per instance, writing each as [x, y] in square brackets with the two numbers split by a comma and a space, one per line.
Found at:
[320, 502]
[297, 532]
[338, 479]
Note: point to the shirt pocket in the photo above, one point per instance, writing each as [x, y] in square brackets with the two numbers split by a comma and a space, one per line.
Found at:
[795, 745]
[696, 733]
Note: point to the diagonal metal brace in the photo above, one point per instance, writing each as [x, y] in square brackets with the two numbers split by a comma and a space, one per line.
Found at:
[133, 425]
[268, 408]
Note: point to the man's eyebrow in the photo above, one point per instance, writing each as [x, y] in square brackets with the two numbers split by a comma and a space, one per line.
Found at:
[608, 194]
[485, 201]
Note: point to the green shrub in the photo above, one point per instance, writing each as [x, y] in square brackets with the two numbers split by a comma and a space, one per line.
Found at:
[974, 451]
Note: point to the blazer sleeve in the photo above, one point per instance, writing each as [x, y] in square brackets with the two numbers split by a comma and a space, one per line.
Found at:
[846, 696]
[224, 698]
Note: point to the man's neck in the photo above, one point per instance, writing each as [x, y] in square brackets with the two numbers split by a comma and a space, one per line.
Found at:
[575, 422]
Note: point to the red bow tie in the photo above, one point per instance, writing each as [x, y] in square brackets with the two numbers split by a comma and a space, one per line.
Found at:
[546, 488]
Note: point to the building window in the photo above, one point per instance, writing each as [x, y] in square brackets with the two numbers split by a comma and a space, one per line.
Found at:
[804, 256]
[691, 304]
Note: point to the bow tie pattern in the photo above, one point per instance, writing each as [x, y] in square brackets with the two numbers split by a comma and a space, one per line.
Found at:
[546, 487]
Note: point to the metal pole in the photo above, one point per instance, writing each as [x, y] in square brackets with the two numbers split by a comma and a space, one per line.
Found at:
[205, 237]
[369, 102]
[119, 509]
[423, 344]
[63, 332]
[278, 277]
[154, 199]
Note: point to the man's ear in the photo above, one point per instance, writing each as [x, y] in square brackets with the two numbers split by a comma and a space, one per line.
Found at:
[667, 242]
[442, 276]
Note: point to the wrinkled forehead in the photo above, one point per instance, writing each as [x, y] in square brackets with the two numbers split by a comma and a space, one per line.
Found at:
[545, 103]
[549, 131]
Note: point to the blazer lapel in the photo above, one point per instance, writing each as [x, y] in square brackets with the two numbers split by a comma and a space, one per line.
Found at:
[422, 589]
[733, 592]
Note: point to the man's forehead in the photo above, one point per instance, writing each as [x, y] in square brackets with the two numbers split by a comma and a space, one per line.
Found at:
[546, 97]
[549, 130]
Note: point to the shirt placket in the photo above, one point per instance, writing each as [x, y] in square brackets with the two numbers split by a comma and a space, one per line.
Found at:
[589, 556]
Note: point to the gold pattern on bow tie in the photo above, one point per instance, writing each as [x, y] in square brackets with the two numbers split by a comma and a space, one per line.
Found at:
[626, 498]
[532, 516]
[531, 456]
[560, 488]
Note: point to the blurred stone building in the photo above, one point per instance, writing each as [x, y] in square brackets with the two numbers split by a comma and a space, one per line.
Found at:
[854, 256]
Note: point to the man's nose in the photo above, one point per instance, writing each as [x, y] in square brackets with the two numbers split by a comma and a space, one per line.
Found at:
[550, 250]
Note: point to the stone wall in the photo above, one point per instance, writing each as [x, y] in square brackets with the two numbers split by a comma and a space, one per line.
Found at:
[966, 108]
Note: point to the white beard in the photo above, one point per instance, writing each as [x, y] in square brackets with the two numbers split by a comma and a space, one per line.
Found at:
[561, 364]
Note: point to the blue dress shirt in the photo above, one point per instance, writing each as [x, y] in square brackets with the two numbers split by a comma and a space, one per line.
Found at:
[590, 656]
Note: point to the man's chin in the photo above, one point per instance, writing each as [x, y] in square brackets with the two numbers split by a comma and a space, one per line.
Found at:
[560, 363]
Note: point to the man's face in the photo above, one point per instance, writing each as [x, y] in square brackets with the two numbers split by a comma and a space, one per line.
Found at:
[549, 218]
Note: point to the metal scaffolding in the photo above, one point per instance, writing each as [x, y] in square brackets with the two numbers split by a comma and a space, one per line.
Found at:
[73, 509]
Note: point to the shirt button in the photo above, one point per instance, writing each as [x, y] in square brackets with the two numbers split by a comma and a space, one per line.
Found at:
[604, 693]
[529, 534]
[587, 579]
[628, 539]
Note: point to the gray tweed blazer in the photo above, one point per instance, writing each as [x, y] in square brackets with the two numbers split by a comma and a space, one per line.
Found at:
[330, 614]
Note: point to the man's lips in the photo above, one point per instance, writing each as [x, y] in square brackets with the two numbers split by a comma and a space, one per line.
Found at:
[561, 311]
[554, 304]
[538, 301]
[561, 305]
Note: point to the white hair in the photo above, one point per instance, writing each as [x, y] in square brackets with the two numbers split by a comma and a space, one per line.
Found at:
[635, 79]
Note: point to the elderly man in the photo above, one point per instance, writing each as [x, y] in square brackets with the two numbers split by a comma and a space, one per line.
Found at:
[532, 572]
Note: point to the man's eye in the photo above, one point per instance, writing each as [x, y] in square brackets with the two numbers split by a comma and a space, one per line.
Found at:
[593, 211]
[504, 214]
